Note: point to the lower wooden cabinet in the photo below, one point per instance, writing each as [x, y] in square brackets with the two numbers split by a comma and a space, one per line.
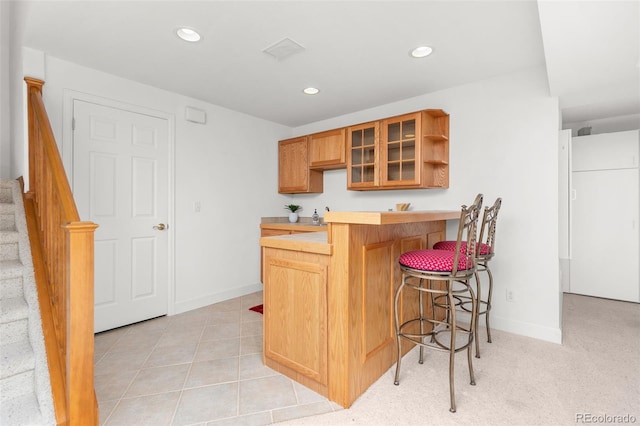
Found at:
[295, 315]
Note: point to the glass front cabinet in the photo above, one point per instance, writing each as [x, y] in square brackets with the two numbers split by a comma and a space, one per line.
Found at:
[362, 156]
[403, 152]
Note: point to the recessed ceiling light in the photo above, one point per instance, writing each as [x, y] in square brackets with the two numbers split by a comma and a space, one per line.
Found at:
[187, 34]
[421, 51]
[311, 91]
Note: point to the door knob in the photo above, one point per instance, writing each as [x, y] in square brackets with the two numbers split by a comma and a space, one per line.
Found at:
[160, 227]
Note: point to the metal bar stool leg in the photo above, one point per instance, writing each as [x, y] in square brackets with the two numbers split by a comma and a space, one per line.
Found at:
[396, 380]
[472, 335]
[478, 304]
[421, 313]
[488, 307]
[452, 351]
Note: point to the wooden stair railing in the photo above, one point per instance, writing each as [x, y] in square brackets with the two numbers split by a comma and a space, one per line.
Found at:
[63, 249]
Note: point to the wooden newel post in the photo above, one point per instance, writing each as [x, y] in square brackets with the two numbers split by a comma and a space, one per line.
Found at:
[33, 85]
[82, 406]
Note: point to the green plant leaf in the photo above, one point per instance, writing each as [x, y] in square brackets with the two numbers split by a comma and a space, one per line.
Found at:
[292, 207]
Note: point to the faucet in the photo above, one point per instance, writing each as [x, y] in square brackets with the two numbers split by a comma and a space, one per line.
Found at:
[326, 208]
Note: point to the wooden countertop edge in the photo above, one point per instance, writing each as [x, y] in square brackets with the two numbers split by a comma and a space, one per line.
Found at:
[294, 227]
[388, 218]
[297, 245]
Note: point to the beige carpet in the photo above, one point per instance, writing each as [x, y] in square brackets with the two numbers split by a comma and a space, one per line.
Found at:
[519, 380]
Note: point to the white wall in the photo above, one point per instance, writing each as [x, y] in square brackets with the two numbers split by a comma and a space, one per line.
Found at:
[5, 97]
[228, 164]
[504, 143]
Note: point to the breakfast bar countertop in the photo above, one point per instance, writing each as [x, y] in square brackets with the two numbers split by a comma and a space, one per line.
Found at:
[390, 217]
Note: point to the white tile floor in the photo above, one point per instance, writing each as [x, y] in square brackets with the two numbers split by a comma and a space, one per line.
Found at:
[202, 367]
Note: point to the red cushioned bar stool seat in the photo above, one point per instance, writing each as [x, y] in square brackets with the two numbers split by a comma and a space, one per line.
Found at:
[432, 260]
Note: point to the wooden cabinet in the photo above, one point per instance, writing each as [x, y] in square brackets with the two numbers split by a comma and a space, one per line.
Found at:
[295, 316]
[294, 174]
[327, 150]
[362, 158]
[399, 153]
[403, 152]
[302, 160]
[409, 151]
[435, 148]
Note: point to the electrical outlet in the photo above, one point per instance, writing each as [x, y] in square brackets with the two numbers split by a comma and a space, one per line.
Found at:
[511, 295]
[197, 206]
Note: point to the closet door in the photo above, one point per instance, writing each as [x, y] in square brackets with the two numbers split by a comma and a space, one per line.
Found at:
[605, 236]
[604, 261]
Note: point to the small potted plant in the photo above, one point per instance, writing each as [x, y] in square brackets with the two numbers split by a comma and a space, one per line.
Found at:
[293, 208]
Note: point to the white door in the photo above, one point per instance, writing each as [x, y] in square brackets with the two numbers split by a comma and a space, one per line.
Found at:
[605, 237]
[604, 229]
[120, 182]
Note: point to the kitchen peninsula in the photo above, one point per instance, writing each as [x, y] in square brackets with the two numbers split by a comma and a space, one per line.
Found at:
[328, 297]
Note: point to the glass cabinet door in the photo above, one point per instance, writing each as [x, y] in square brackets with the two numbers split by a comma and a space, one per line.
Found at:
[400, 164]
[362, 142]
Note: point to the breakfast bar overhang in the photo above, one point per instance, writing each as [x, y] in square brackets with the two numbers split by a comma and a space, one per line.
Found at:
[328, 297]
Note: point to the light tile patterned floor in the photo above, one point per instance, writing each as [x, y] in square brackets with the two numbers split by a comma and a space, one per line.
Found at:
[202, 367]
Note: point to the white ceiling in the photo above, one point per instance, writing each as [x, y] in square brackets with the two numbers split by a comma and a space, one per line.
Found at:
[356, 52]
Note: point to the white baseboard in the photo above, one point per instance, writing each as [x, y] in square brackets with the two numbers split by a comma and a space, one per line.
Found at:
[210, 299]
[536, 331]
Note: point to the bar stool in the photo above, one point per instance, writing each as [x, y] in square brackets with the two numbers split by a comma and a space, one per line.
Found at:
[446, 274]
[485, 252]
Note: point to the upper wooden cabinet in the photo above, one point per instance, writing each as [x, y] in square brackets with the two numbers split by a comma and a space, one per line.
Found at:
[327, 150]
[362, 158]
[409, 151]
[403, 152]
[294, 174]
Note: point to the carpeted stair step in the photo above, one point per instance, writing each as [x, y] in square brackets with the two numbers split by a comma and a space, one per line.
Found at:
[6, 192]
[7, 217]
[10, 269]
[9, 245]
[13, 309]
[14, 320]
[17, 385]
[11, 287]
[25, 393]
[22, 410]
[16, 358]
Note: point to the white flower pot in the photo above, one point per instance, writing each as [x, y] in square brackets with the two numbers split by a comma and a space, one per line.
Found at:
[293, 217]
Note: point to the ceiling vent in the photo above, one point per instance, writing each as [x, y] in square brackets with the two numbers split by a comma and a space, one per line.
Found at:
[283, 49]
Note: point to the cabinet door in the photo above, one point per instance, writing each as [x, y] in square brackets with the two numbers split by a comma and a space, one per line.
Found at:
[400, 151]
[362, 158]
[295, 316]
[294, 175]
[327, 150]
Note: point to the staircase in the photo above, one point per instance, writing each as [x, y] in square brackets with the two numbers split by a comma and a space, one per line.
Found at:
[25, 389]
